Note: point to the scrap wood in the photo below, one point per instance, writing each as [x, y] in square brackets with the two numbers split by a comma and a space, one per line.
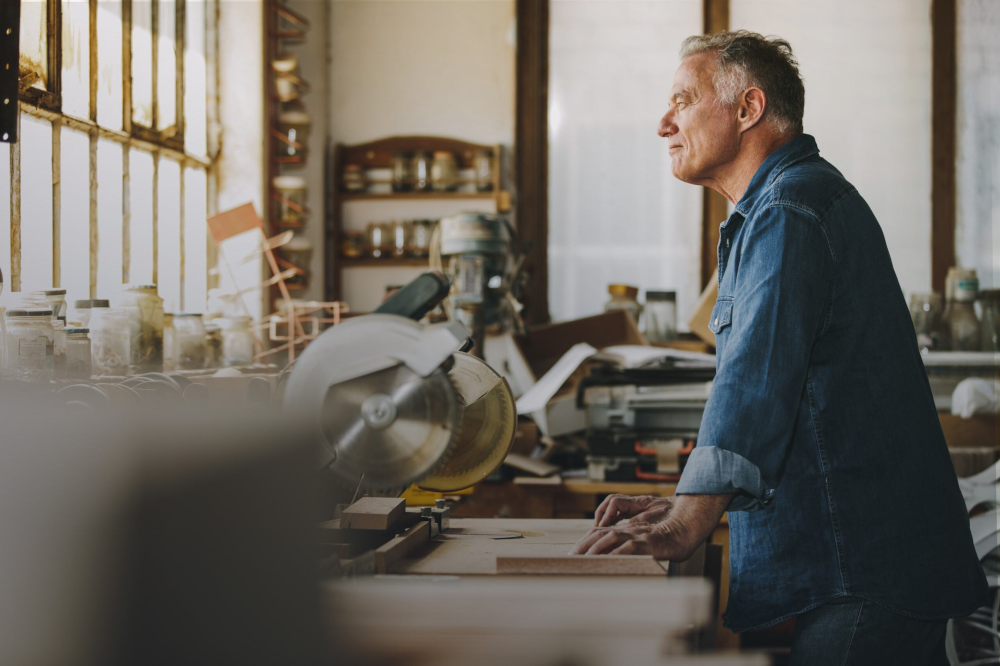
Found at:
[373, 513]
[401, 546]
[574, 565]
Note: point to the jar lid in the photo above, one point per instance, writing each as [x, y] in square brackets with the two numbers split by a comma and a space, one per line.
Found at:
[187, 314]
[661, 295]
[54, 292]
[92, 303]
[229, 323]
[289, 182]
[138, 287]
[294, 118]
[623, 290]
[285, 62]
[29, 312]
[443, 154]
[71, 331]
[212, 328]
[423, 153]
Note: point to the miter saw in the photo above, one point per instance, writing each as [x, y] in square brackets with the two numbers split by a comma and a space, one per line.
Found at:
[396, 402]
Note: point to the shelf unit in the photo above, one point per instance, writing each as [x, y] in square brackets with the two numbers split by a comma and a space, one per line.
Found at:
[377, 155]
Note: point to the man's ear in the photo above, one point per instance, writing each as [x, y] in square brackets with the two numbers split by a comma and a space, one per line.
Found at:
[751, 108]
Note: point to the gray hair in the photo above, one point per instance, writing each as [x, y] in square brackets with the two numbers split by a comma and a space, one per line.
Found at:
[748, 60]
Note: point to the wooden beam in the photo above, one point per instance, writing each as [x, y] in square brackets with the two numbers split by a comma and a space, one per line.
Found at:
[531, 154]
[715, 16]
[944, 100]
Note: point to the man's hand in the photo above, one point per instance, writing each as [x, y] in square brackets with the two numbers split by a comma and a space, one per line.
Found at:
[645, 509]
[687, 524]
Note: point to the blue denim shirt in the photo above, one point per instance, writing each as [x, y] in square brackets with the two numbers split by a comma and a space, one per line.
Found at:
[821, 418]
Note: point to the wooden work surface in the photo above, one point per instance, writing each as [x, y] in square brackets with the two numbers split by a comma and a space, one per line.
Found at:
[471, 545]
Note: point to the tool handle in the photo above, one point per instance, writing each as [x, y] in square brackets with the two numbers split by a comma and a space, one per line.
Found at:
[418, 297]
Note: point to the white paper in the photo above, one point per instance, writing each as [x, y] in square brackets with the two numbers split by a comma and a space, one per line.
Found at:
[636, 356]
[535, 398]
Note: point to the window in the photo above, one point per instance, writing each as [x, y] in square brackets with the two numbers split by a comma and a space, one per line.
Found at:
[109, 183]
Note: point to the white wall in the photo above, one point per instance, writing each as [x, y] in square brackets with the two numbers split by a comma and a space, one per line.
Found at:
[978, 216]
[867, 71]
[403, 67]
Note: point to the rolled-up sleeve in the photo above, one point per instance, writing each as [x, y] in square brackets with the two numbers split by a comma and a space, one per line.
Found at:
[777, 309]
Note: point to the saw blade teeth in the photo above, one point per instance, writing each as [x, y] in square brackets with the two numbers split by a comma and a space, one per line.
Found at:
[454, 426]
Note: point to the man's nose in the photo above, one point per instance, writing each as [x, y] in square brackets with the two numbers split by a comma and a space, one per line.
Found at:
[666, 127]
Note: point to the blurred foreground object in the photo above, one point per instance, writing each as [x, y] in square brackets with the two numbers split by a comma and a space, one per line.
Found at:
[168, 538]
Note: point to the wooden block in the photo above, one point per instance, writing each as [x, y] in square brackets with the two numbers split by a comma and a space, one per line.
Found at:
[531, 465]
[401, 546]
[373, 513]
[577, 565]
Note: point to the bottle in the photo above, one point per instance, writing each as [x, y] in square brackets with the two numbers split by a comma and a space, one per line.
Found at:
[623, 297]
[661, 315]
[963, 324]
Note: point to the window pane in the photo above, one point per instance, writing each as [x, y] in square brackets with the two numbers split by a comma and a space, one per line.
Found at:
[74, 215]
[168, 234]
[195, 239]
[36, 203]
[109, 218]
[166, 66]
[5, 214]
[141, 228]
[195, 87]
[142, 62]
[34, 34]
[109, 64]
[76, 58]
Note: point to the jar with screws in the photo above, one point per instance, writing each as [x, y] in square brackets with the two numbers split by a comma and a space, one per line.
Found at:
[420, 170]
[110, 339]
[237, 341]
[402, 179]
[189, 340]
[78, 359]
[483, 167]
[444, 172]
[146, 310]
[30, 341]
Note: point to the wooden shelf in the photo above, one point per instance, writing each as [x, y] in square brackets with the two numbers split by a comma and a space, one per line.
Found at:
[385, 196]
[388, 262]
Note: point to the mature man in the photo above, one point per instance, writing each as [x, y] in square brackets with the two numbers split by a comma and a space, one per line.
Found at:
[820, 437]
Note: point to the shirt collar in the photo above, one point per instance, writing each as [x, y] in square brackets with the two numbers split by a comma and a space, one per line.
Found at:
[787, 154]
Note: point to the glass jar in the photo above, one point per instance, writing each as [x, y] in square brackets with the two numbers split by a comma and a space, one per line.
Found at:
[58, 348]
[169, 343]
[990, 319]
[237, 341]
[83, 309]
[298, 252]
[925, 311]
[444, 172]
[213, 346]
[420, 171]
[352, 244]
[56, 299]
[78, 360]
[402, 178]
[290, 200]
[30, 341]
[379, 239]
[420, 237]
[400, 238]
[355, 178]
[146, 310]
[483, 168]
[623, 297]
[110, 341]
[293, 135]
[286, 69]
[189, 340]
[661, 315]
[960, 315]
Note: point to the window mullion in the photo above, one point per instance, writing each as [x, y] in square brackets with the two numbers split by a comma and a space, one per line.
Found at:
[56, 203]
[15, 211]
[126, 215]
[94, 72]
[94, 237]
[155, 38]
[156, 215]
[127, 66]
[54, 55]
[179, 41]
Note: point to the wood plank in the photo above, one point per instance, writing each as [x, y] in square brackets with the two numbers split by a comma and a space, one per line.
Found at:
[582, 565]
[944, 139]
[531, 151]
[373, 513]
[397, 549]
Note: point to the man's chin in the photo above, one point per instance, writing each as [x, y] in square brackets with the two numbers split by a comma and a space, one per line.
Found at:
[681, 174]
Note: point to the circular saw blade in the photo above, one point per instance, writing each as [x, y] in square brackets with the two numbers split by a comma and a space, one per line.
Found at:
[486, 431]
[390, 428]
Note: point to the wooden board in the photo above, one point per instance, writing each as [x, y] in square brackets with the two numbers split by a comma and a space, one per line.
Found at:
[394, 551]
[581, 565]
[373, 513]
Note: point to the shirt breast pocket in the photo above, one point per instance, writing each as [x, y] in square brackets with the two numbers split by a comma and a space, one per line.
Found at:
[722, 316]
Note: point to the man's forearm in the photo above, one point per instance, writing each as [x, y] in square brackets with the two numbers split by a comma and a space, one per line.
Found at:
[690, 522]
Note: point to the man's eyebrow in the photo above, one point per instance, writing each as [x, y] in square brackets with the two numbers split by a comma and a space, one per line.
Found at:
[680, 93]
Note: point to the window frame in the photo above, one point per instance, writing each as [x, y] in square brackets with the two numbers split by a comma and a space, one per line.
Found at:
[166, 143]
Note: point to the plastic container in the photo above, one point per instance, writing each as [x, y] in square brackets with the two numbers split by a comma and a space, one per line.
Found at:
[78, 359]
[290, 200]
[661, 315]
[237, 341]
[30, 341]
[146, 310]
[623, 297]
[110, 341]
[189, 336]
[84, 307]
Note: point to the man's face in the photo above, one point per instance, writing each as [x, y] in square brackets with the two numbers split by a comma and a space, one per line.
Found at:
[701, 134]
